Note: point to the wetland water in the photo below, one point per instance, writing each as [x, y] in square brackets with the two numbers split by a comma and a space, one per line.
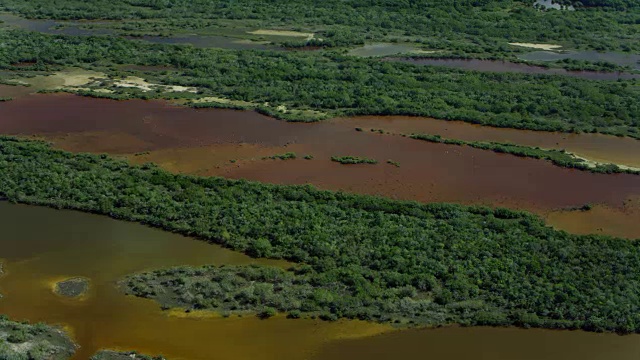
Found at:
[80, 28]
[41, 246]
[506, 66]
[455, 343]
[622, 59]
[205, 142]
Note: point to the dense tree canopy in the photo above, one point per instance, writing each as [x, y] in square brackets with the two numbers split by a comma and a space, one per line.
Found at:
[465, 24]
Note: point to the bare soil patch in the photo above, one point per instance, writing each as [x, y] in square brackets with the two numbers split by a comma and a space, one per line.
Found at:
[547, 47]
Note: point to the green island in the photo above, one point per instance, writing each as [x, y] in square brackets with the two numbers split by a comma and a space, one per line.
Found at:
[353, 256]
[75, 287]
[285, 156]
[24, 341]
[350, 160]
[309, 86]
[556, 157]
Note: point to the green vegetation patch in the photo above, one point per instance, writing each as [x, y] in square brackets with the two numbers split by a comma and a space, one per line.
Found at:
[471, 26]
[557, 157]
[376, 258]
[349, 160]
[285, 156]
[24, 341]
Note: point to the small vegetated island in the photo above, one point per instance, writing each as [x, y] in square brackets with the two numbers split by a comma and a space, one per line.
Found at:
[352, 160]
[355, 257]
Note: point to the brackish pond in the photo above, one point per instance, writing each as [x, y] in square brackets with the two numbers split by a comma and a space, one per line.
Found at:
[505, 66]
[382, 49]
[622, 59]
[80, 28]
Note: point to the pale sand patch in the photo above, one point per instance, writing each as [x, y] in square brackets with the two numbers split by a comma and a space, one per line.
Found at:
[593, 164]
[88, 80]
[78, 77]
[105, 91]
[61, 79]
[222, 101]
[309, 36]
[537, 46]
[18, 82]
[142, 84]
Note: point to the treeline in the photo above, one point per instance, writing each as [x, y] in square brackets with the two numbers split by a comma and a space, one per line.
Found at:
[344, 85]
[434, 263]
[556, 157]
[615, 4]
[441, 24]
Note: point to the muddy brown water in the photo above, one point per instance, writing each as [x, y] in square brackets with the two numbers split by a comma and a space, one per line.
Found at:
[68, 243]
[623, 59]
[231, 143]
[457, 343]
[13, 92]
[597, 147]
[506, 66]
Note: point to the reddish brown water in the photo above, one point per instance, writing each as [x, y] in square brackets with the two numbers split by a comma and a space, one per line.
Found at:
[205, 141]
[9, 91]
[598, 147]
[457, 343]
[600, 219]
[506, 66]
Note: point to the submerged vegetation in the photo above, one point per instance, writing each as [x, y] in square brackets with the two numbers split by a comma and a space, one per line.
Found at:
[23, 341]
[557, 157]
[356, 256]
[318, 85]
